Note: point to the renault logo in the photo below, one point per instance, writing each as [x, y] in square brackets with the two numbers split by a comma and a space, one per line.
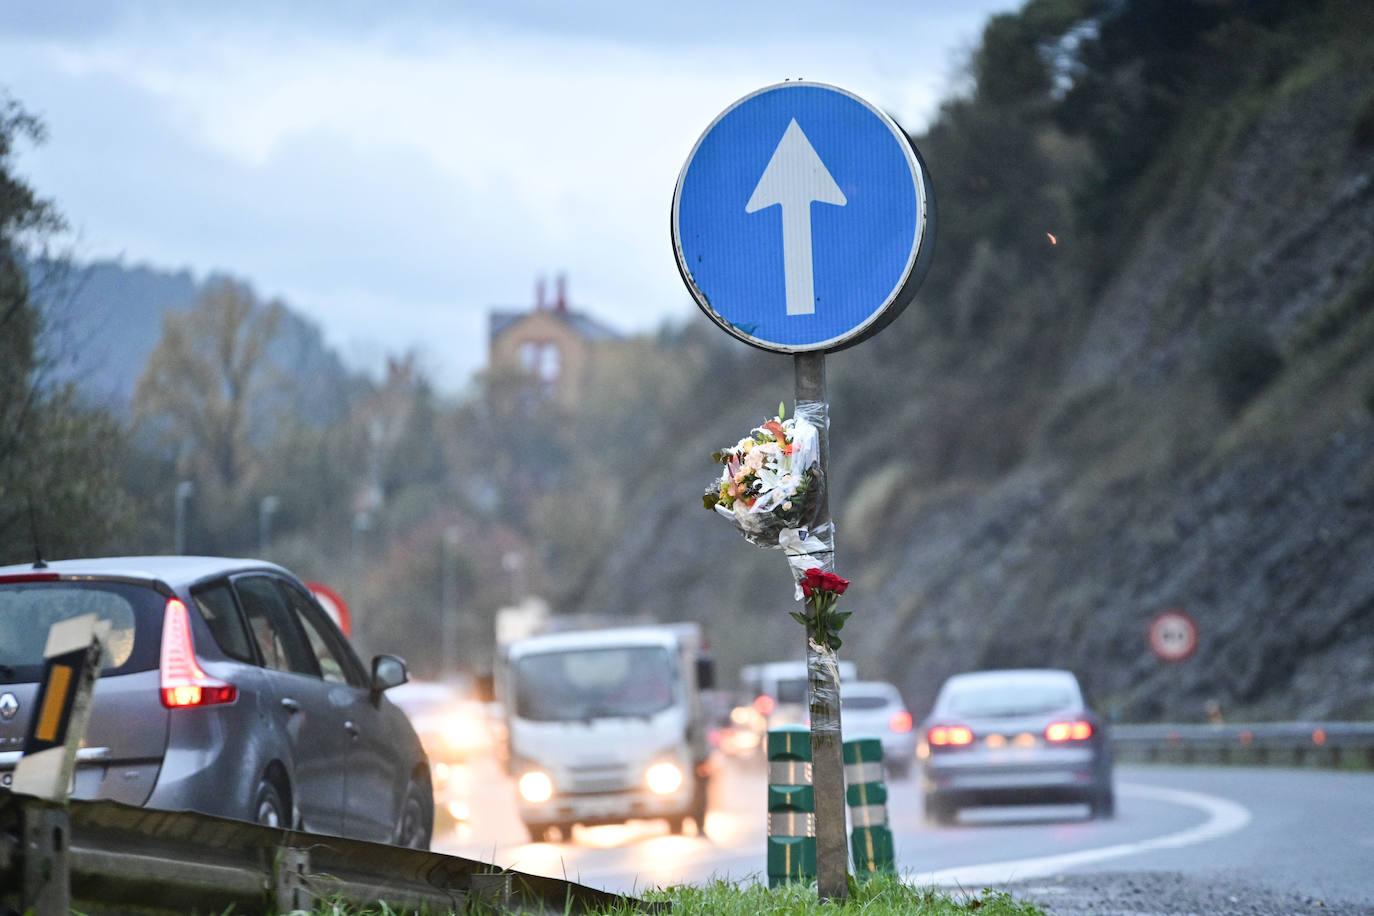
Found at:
[8, 706]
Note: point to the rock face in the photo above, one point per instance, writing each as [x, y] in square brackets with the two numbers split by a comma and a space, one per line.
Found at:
[1194, 429]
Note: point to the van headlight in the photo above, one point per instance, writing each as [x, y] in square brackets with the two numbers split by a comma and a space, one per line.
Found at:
[536, 787]
[663, 778]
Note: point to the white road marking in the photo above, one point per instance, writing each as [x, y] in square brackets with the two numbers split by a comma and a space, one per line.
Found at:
[1223, 817]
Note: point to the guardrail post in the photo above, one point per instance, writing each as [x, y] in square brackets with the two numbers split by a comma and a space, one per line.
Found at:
[47, 880]
[791, 807]
[289, 884]
[870, 839]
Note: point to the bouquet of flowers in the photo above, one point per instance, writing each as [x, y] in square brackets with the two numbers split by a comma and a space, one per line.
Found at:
[771, 481]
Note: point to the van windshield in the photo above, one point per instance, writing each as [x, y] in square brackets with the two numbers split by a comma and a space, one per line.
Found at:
[585, 684]
[29, 609]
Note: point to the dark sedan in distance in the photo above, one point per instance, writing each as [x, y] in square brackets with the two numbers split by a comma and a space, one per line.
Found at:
[226, 689]
[1014, 737]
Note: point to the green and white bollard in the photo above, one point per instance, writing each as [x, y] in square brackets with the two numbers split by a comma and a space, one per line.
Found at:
[870, 838]
[791, 807]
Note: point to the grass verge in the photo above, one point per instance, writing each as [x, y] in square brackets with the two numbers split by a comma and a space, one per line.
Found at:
[880, 896]
[875, 897]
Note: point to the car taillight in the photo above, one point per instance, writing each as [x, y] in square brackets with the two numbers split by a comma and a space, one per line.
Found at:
[1058, 732]
[183, 681]
[949, 736]
[900, 722]
[763, 704]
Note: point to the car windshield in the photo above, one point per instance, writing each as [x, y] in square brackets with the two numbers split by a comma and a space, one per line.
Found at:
[584, 684]
[28, 610]
[1003, 698]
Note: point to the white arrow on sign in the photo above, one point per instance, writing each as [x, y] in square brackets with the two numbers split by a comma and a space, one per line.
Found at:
[795, 177]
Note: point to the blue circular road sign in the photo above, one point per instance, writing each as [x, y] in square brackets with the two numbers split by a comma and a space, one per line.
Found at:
[803, 219]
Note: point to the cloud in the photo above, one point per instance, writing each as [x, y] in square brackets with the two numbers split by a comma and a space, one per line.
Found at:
[396, 175]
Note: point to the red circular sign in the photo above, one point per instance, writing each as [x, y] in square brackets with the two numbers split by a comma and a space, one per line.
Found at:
[333, 604]
[1173, 636]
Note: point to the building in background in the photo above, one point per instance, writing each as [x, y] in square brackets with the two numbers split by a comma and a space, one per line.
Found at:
[548, 348]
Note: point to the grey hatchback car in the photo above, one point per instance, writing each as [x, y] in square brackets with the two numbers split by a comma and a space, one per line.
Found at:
[226, 689]
[1010, 737]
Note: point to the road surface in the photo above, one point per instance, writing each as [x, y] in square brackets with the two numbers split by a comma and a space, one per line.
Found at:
[1256, 840]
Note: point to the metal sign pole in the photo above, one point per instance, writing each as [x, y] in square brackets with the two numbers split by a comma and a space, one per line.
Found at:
[832, 847]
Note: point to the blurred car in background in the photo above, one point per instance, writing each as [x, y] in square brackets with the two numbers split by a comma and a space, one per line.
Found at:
[1014, 737]
[875, 709]
[454, 729]
[736, 729]
[780, 690]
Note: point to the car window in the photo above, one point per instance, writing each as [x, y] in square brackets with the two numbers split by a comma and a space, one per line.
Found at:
[792, 690]
[216, 605]
[329, 654]
[28, 610]
[279, 639]
[1004, 698]
[862, 702]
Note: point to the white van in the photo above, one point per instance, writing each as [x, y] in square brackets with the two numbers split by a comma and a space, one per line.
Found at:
[607, 726]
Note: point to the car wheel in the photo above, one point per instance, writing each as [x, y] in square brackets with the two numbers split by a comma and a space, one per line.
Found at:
[268, 808]
[417, 818]
[1104, 805]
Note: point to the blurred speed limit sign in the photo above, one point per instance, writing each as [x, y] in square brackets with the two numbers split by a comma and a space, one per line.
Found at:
[1173, 636]
[333, 605]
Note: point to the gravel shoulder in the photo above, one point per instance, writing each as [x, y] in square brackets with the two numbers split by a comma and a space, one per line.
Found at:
[1131, 893]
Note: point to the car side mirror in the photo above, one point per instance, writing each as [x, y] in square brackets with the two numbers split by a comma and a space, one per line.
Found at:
[387, 671]
[706, 673]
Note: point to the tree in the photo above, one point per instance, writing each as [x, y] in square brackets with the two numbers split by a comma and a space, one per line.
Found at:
[57, 458]
[199, 389]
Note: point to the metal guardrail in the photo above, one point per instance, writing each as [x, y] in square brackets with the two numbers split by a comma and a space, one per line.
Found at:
[104, 857]
[1336, 744]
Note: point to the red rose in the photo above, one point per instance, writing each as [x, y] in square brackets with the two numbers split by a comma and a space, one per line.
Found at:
[815, 580]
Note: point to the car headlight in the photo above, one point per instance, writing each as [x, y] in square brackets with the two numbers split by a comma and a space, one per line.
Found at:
[663, 778]
[536, 787]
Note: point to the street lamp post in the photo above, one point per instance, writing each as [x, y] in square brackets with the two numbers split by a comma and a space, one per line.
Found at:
[362, 523]
[448, 600]
[266, 509]
[184, 491]
[514, 563]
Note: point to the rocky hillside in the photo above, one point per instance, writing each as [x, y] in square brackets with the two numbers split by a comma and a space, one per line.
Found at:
[1168, 405]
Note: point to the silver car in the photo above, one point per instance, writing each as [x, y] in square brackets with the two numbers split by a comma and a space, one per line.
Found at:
[1014, 737]
[227, 690]
[874, 709]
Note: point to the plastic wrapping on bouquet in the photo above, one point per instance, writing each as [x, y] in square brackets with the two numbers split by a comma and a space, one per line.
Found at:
[773, 521]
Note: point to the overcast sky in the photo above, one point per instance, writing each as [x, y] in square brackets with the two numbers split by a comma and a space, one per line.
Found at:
[395, 169]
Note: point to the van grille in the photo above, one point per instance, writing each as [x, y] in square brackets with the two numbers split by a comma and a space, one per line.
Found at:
[599, 778]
